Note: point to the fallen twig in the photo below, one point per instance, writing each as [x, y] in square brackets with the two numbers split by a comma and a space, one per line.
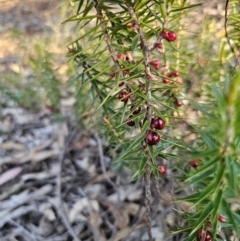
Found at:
[104, 171]
[61, 208]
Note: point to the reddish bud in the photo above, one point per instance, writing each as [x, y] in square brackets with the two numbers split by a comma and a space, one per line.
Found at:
[174, 74]
[156, 64]
[137, 110]
[165, 81]
[133, 26]
[164, 34]
[159, 45]
[112, 74]
[203, 235]
[222, 219]
[121, 56]
[162, 170]
[172, 36]
[194, 164]
[177, 102]
[208, 238]
[126, 70]
[131, 122]
[120, 84]
[123, 96]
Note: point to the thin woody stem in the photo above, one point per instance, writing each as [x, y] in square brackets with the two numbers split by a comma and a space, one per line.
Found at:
[144, 44]
[148, 201]
[146, 54]
[109, 43]
[106, 35]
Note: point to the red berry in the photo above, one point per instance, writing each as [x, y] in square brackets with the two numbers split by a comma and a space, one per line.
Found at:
[137, 110]
[112, 74]
[178, 103]
[152, 138]
[121, 56]
[194, 163]
[156, 64]
[222, 219]
[164, 34]
[172, 36]
[131, 122]
[165, 81]
[157, 123]
[162, 170]
[174, 74]
[123, 96]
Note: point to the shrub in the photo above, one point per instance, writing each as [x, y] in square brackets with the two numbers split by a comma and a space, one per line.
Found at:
[143, 73]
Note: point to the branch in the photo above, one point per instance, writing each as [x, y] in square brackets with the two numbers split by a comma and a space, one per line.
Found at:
[148, 201]
[61, 210]
[144, 44]
[146, 54]
[104, 171]
[106, 35]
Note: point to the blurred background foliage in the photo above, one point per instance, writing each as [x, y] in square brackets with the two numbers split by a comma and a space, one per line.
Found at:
[41, 68]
